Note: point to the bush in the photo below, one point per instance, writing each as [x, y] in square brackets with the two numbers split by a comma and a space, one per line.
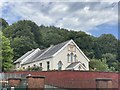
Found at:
[34, 68]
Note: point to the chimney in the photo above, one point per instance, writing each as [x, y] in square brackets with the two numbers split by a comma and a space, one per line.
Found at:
[51, 45]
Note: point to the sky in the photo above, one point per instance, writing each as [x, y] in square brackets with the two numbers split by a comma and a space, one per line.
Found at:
[95, 17]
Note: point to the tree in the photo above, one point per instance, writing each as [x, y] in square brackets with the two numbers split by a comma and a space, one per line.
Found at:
[107, 44]
[84, 41]
[52, 35]
[98, 65]
[24, 35]
[7, 54]
[110, 58]
[3, 23]
[97, 51]
[21, 45]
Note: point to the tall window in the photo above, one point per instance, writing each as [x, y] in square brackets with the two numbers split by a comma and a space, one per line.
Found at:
[48, 65]
[40, 64]
[41, 67]
[34, 65]
[75, 56]
[28, 66]
[60, 65]
[68, 57]
[23, 67]
[71, 56]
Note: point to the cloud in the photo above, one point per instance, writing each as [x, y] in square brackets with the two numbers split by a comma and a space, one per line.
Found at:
[71, 15]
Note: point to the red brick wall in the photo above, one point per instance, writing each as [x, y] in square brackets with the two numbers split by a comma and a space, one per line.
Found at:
[14, 82]
[74, 79]
[36, 83]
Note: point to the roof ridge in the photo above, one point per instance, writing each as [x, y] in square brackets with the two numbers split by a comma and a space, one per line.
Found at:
[50, 51]
[19, 59]
[44, 52]
[62, 42]
[33, 53]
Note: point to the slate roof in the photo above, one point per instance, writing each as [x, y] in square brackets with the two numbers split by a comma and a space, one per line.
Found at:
[34, 57]
[25, 55]
[52, 50]
[73, 64]
[45, 53]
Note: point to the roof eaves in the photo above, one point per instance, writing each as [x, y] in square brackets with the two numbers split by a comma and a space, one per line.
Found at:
[81, 51]
[61, 48]
[37, 60]
[24, 56]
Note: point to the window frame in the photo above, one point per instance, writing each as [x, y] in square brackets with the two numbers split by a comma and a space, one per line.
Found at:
[48, 65]
[75, 58]
[71, 57]
[68, 58]
[60, 65]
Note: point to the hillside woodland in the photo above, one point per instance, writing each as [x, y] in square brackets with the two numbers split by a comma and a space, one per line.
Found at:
[25, 35]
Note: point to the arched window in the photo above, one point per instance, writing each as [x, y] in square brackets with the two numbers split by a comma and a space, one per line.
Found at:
[75, 56]
[60, 65]
[71, 56]
[68, 57]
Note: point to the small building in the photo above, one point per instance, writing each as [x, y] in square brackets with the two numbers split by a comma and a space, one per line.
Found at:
[63, 56]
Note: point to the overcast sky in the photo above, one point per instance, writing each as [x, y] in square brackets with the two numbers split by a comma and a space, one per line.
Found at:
[95, 18]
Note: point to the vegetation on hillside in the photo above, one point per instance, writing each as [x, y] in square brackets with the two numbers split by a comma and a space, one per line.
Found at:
[25, 35]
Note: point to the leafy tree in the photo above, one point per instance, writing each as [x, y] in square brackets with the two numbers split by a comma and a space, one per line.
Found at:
[21, 45]
[110, 58]
[96, 49]
[23, 28]
[3, 24]
[24, 35]
[107, 44]
[118, 50]
[52, 35]
[118, 66]
[84, 41]
[7, 54]
[114, 66]
[99, 65]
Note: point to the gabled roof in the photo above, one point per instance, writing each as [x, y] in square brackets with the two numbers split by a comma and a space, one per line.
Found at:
[72, 65]
[24, 56]
[76, 47]
[31, 59]
[34, 57]
[52, 50]
[46, 53]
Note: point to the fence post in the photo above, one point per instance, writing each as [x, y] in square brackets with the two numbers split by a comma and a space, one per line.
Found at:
[103, 83]
[35, 82]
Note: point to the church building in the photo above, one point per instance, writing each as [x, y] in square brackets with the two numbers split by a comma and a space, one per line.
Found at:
[63, 56]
